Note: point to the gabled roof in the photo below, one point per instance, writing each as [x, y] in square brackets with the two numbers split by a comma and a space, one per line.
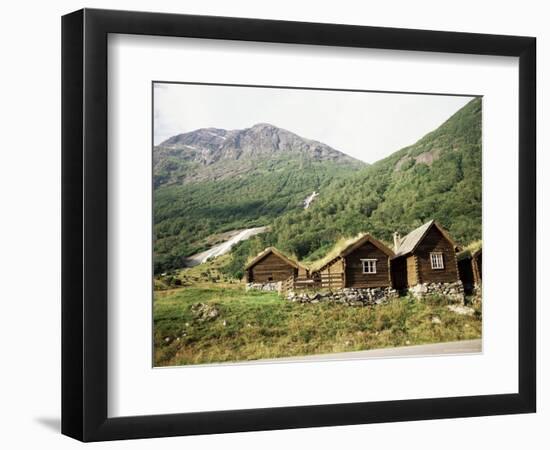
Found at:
[362, 240]
[277, 253]
[355, 244]
[409, 243]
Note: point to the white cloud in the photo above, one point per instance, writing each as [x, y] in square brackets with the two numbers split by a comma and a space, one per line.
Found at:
[365, 125]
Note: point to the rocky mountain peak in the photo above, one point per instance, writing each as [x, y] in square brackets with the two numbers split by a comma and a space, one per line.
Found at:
[263, 140]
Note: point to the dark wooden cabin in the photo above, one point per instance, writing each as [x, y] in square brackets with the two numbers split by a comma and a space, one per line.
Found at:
[469, 269]
[272, 266]
[425, 255]
[364, 263]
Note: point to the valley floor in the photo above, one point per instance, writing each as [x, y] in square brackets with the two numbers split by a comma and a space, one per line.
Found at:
[223, 323]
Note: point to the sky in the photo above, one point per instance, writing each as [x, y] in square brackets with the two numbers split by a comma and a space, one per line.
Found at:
[366, 125]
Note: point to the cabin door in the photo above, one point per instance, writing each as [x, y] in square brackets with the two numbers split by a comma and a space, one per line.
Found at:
[399, 273]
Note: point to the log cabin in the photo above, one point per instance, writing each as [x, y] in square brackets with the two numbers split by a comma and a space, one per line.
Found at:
[272, 266]
[364, 263]
[425, 255]
[469, 268]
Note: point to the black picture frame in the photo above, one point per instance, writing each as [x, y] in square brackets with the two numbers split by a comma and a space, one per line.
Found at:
[84, 224]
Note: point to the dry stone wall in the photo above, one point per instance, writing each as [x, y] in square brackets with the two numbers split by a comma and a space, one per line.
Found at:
[453, 291]
[268, 287]
[346, 296]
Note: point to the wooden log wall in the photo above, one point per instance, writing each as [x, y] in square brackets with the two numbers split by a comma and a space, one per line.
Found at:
[411, 263]
[355, 278]
[332, 276]
[434, 241]
[476, 267]
[271, 269]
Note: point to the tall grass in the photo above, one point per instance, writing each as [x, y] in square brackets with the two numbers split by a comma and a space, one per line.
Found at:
[257, 325]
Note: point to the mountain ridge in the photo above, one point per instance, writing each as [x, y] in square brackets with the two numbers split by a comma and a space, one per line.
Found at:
[215, 153]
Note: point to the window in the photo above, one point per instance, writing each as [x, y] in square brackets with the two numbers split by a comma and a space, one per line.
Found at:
[369, 265]
[437, 260]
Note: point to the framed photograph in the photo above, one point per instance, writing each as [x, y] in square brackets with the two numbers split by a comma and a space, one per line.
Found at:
[273, 224]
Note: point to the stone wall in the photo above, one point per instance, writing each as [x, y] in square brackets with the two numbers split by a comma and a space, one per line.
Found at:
[346, 296]
[453, 291]
[269, 287]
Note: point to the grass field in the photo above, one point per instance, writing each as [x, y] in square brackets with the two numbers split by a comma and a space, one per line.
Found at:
[207, 324]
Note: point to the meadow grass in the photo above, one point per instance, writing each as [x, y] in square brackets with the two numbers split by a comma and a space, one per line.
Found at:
[257, 325]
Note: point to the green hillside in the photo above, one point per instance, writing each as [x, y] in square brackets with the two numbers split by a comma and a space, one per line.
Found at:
[439, 177]
[187, 214]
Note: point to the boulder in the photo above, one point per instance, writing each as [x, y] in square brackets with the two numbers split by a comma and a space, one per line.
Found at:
[461, 309]
[204, 312]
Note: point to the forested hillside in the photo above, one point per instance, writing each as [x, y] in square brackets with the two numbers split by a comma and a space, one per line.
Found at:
[439, 177]
[210, 181]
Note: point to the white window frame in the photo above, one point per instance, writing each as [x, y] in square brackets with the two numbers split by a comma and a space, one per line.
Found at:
[370, 266]
[436, 259]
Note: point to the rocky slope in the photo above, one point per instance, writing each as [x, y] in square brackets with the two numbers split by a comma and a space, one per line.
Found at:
[214, 153]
